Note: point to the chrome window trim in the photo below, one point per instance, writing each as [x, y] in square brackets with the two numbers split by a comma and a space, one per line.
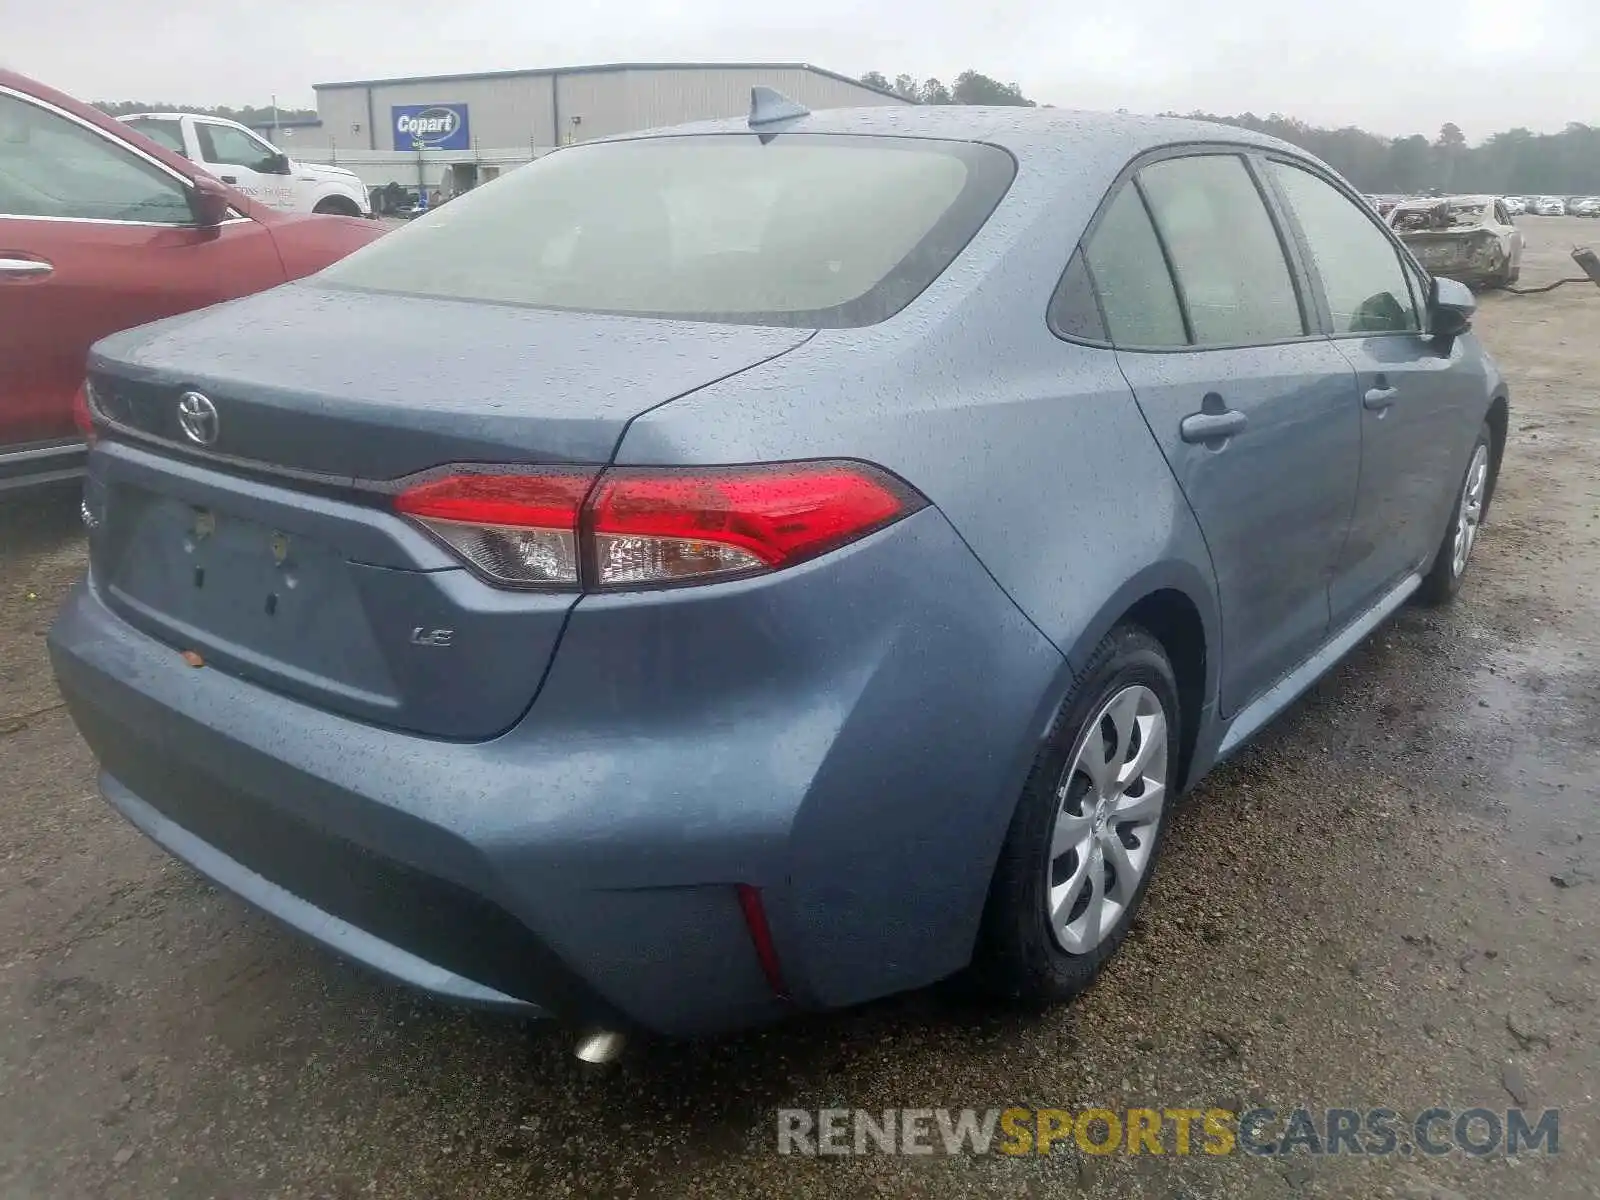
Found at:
[236, 219]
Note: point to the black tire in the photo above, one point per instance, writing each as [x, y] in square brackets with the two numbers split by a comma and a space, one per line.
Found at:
[1018, 956]
[337, 206]
[1443, 580]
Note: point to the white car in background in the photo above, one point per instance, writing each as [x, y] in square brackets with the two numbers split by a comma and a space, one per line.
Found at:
[245, 160]
[1515, 205]
[1467, 238]
[1550, 206]
[1589, 206]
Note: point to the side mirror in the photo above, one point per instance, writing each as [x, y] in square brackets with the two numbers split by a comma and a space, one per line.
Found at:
[209, 201]
[1450, 307]
[278, 164]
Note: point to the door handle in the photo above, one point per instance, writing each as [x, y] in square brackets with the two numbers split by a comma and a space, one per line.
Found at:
[1212, 426]
[24, 268]
[229, 178]
[1380, 398]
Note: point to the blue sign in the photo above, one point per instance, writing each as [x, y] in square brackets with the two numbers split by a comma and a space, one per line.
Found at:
[430, 127]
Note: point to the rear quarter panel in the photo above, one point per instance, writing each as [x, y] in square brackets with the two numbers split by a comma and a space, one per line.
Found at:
[1033, 447]
[1034, 450]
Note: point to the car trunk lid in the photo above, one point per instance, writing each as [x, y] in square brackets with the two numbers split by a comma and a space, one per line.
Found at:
[273, 552]
[353, 385]
[1442, 251]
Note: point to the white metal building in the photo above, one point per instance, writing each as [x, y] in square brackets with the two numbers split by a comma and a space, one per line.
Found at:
[450, 132]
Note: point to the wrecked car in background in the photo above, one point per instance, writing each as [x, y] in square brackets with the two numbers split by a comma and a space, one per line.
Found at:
[1468, 238]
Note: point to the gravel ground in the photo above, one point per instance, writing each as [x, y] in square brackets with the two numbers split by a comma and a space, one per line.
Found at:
[1389, 900]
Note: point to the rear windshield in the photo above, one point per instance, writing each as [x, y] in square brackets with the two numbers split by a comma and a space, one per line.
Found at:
[1439, 216]
[805, 230]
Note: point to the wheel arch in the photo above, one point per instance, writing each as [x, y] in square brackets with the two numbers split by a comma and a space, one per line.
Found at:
[1499, 420]
[336, 203]
[1176, 603]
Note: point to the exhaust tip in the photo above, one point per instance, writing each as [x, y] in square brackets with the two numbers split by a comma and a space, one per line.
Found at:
[601, 1047]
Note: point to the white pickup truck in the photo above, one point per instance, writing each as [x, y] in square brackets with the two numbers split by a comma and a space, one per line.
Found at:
[253, 165]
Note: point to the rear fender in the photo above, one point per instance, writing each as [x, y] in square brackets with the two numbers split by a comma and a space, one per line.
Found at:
[1194, 584]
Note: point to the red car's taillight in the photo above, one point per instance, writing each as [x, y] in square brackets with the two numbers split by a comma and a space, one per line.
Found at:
[648, 526]
[82, 415]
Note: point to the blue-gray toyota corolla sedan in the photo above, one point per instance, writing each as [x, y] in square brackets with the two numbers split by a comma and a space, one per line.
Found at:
[765, 565]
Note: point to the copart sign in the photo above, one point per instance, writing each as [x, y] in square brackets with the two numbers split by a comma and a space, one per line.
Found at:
[430, 127]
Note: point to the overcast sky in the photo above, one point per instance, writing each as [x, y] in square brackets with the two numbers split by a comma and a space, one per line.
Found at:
[1393, 66]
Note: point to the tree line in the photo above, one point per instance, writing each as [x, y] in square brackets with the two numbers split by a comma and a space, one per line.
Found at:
[1517, 162]
[248, 115]
[1514, 162]
[969, 88]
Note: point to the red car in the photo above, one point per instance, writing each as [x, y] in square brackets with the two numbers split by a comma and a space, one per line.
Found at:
[101, 229]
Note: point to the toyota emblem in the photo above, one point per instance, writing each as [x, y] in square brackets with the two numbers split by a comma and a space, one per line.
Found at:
[197, 416]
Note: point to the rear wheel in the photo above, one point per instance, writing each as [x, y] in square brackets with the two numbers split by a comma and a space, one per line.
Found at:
[1087, 831]
[1443, 581]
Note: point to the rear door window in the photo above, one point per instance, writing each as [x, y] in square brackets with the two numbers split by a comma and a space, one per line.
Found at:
[1230, 264]
[1074, 311]
[1131, 277]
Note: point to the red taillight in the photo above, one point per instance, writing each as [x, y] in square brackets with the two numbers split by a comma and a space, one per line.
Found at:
[519, 529]
[82, 415]
[648, 526]
[657, 526]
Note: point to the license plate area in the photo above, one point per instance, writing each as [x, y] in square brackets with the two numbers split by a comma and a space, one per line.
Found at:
[1442, 256]
[268, 601]
[232, 576]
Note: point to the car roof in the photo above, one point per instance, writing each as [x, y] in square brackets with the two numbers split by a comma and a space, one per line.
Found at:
[1419, 202]
[1097, 135]
[175, 116]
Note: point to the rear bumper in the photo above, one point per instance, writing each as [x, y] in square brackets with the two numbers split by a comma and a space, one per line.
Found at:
[848, 737]
[1467, 259]
[294, 910]
[38, 463]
